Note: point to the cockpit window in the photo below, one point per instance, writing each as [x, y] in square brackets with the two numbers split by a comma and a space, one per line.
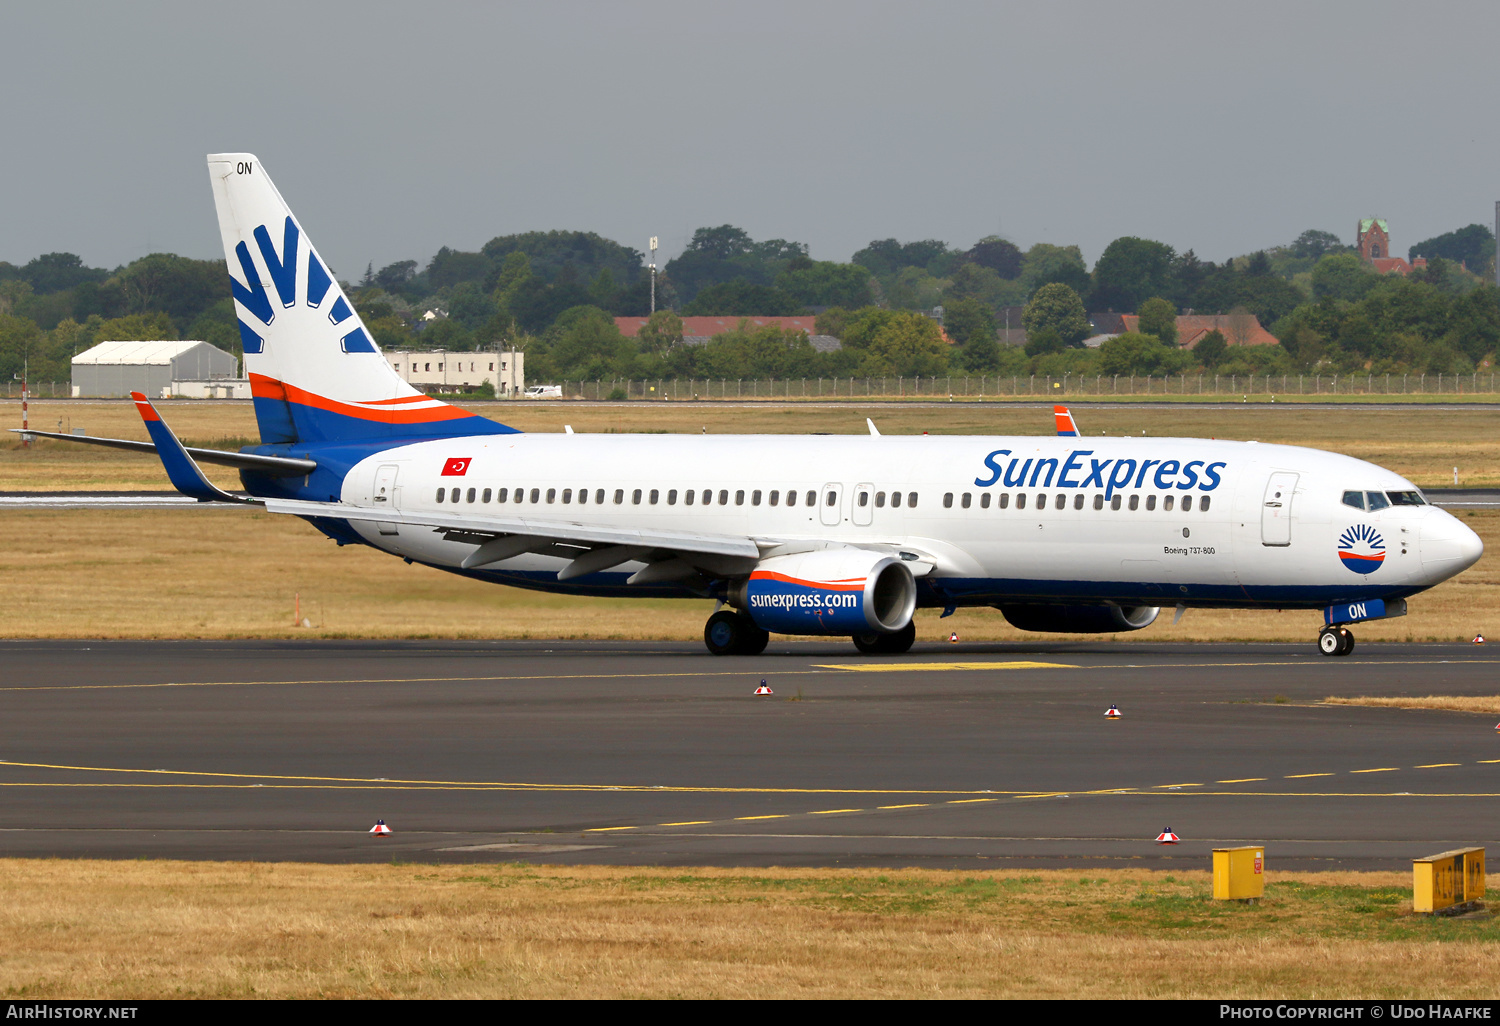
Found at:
[1355, 499]
[1406, 498]
[1377, 500]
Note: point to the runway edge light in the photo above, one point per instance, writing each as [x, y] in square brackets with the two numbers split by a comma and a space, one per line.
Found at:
[764, 689]
[1479, 639]
[380, 829]
[1112, 713]
[1167, 837]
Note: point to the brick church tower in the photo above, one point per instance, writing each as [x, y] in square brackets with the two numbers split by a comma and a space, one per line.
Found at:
[1373, 240]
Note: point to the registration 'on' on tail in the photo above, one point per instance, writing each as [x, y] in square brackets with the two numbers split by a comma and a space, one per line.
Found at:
[315, 373]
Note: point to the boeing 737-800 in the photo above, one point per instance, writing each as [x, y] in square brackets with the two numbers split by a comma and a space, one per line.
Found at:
[797, 535]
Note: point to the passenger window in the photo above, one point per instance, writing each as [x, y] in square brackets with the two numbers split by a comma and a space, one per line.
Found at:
[1078, 501]
[1135, 503]
[1115, 502]
[755, 497]
[441, 493]
[486, 496]
[1187, 503]
[671, 496]
[775, 495]
[791, 497]
[551, 496]
[567, 495]
[1377, 500]
[1041, 500]
[1150, 503]
[687, 497]
[984, 501]
[1203, 503]
[599, 496]
[583, 495]
[864, 499]
[619, 496]
[739, 497]
[1099, 502]
[471, 494]
[1020, 500]
[724, 497]
[947, 500]
[655, 496]
[1166, 502]
[502, 495]
[1061, 502]
[635, 497]
[911, 500]
[1354, 499]
[967, 499]
[811, 498]
[895, 500]
[1004, 500]
[520, 495]
[880, 500]
[453, 495]
[536, 495]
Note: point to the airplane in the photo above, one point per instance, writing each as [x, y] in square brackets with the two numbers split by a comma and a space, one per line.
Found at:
[826, 535]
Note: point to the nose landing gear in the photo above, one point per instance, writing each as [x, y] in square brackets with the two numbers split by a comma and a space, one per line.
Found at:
[1335, 641]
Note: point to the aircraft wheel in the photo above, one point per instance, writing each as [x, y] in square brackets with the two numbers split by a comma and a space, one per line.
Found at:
[881, 643]
[1329, 642]
[1347, 640]
[730, 633]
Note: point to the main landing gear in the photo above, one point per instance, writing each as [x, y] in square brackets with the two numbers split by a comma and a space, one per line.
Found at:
[731, 633]
[881, 643]
[1335, 641]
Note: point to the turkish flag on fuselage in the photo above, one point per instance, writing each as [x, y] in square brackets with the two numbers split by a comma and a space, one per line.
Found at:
[457, 466]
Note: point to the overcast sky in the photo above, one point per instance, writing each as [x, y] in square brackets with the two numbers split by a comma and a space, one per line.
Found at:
[396, 128]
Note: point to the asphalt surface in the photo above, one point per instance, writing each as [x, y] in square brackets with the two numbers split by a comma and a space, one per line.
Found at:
[654, 753]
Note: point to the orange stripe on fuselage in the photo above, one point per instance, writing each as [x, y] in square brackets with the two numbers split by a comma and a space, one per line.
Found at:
[849, 584]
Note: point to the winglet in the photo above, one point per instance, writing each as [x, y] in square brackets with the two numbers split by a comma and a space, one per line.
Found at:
[873, 431]
[181, 468]
[1065, 426]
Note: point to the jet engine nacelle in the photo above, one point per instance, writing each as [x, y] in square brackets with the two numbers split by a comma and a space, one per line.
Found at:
[830, 591]
[1080, 619]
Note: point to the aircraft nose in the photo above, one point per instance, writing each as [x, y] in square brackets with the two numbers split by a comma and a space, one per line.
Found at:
[1448, 547]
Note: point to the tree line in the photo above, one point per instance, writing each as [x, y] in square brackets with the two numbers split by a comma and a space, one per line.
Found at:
[556, 294]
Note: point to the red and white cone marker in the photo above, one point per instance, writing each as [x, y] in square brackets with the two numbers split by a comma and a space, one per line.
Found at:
[953, 637]
[1497, 728]
[380, 829]
[1112, 713]
[1479, 639]
[1167, 837]
[764, 689]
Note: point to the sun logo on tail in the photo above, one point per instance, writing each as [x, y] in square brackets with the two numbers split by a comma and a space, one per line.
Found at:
[1362, 549]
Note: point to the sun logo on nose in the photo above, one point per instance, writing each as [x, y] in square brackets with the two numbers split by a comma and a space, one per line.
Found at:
[1362, 549]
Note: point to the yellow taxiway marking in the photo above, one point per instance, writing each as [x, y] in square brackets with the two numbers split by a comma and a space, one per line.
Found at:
[829, 812]
[691, 822]
[970, 801]
[1378, 769]
[1439, 765]
[781, 815]
[930, 667]
[918, 805]
[1241, 780]
[1489, 760]
[1180, 785]
[601, 830]
[1302, 776]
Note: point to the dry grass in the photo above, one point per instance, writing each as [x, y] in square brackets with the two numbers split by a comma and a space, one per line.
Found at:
[1488, 704]
[164, 929]
[231, 572]
[1422, 444]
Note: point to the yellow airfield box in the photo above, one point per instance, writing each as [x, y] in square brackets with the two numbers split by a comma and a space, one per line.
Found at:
[1447, 879]
[1239, 873]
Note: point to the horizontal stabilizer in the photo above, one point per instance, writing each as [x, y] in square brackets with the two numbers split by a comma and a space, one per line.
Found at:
[270, 466]
[185, 475]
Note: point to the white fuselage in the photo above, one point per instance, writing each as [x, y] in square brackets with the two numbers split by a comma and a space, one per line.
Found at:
[1000, 518]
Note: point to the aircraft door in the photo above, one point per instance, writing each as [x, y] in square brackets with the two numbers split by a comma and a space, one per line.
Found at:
[863, 505]
[385, 493]
[830, 508]
[1276, 509]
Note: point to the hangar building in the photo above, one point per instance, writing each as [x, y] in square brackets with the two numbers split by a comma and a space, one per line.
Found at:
[112, 369]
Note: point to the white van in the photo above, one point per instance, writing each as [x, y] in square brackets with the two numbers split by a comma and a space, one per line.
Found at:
[544, 392]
